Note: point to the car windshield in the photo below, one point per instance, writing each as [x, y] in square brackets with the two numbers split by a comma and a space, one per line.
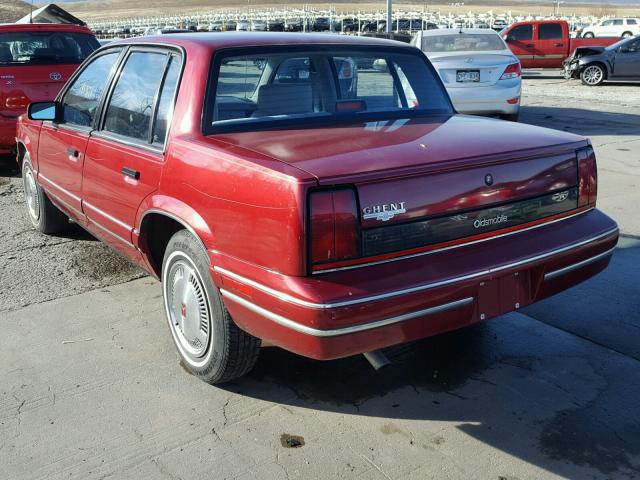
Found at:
[50, 48]
[462, 42]
[324, 83]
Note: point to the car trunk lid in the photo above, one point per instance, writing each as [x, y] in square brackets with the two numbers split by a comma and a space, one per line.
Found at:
[490, 66]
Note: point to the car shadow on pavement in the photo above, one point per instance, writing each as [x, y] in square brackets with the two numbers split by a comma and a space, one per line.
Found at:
[581, 121]
[535, 390]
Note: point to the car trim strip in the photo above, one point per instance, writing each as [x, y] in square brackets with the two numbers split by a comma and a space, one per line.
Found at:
[101, 227]
[106, 215]
[298, 327]
[63, 190]
[576, 266]
[450, 247]
[56, 198]
[382, 296]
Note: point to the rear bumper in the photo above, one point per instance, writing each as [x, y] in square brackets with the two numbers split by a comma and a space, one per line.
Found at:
[487, 100]
[347, 312]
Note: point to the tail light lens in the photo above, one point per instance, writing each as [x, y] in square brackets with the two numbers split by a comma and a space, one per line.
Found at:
[333, 226]
[512, 71]
[587, 177]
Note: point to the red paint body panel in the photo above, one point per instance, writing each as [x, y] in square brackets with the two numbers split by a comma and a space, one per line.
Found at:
[24, 84]
[549, 52]
[245, 195]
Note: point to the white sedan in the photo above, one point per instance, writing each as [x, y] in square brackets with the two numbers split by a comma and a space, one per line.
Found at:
[477, 68]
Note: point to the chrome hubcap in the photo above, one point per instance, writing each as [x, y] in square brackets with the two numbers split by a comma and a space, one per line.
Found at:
[592, 75]
[31, 193]
[188, 309]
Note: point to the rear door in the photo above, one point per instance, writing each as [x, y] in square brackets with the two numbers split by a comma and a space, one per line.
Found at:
[124, 157]
[550, 46]
[520, 41]
[62, 144]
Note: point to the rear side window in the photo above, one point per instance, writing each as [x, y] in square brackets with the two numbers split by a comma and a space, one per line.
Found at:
[165, 103]
[45, 48]
[549, 31]
[617, 22]
[521, 33]
[131, 105]
[82, 98]
[632, 21]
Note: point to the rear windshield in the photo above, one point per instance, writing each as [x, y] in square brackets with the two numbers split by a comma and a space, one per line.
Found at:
[45, 48]
[280, 85]
[463, 42]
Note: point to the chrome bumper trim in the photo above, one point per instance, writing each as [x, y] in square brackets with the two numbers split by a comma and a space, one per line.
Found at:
[576, 266]
[382, 296]
[315, 332]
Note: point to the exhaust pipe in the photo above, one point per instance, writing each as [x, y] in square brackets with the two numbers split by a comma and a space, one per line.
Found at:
[377, 359]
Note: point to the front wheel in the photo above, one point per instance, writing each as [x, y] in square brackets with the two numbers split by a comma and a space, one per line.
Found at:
[593, 75]
[211, 345]
[44, 215]
[588, 35]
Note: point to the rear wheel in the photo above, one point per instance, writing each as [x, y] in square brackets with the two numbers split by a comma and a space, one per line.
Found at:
[627, 34]
[593, 74]
[44, 215]
[511, 117]
[588, 35]
[211, 345]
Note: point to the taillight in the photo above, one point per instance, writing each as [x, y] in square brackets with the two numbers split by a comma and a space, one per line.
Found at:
[587, 177]
[333, 226]
[512, 71]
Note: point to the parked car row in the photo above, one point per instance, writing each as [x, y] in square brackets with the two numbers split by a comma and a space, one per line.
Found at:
[318, 193]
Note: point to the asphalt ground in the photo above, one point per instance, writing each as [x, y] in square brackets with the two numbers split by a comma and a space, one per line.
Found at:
[91, 386]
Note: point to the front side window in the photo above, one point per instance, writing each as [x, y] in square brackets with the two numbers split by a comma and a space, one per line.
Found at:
[323, 83]
[462, 42]
[521, 33]
[81, 100]
[549, 31]
[606, 23]
[131, 105]
[45, 48]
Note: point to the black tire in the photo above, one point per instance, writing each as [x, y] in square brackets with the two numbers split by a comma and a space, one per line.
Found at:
[511, 117]
[626, 35]
[44, 215]
[210, 344]
[593, 74]
[588, 35]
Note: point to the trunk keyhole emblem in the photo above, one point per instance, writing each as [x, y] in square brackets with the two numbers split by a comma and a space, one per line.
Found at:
[488, 179]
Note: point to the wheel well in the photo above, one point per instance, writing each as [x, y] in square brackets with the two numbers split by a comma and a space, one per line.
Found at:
[155, 232]
[21, 152]
[624, 33]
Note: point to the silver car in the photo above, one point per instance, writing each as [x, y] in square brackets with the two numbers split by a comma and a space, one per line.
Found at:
[477, 68]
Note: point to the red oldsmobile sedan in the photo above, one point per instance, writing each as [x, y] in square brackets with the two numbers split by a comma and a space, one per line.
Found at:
[35, 62]
[315, 192]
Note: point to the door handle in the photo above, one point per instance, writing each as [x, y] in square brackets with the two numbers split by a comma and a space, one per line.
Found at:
[130, 172]
[73, 152]
[529, 45]
[558, 44]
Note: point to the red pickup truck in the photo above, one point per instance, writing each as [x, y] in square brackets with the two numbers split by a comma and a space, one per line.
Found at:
[546, 43]
[35, 62]
[329, 216]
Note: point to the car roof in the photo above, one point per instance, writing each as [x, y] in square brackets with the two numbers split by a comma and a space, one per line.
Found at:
[217, 40]
[457, 31]
[43, 27]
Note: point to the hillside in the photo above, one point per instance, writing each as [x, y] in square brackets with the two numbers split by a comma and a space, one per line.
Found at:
[12, 10]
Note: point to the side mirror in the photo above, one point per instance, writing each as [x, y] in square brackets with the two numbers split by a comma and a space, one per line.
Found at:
[43, 111]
